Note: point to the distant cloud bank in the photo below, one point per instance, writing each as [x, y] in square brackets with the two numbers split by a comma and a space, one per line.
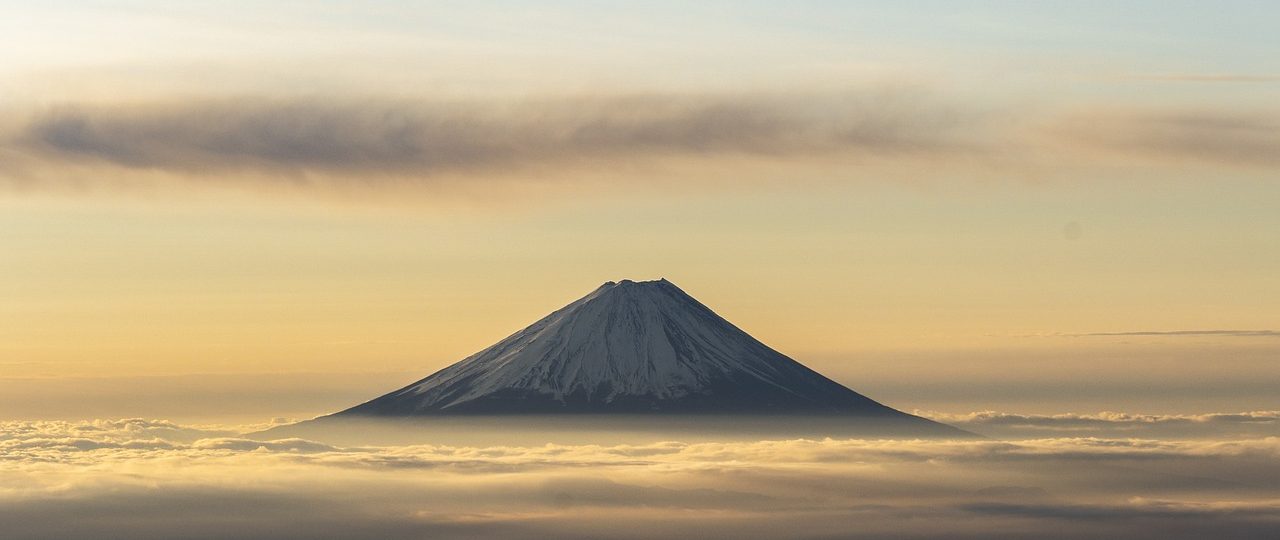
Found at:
[155, 479]
[1110, 424]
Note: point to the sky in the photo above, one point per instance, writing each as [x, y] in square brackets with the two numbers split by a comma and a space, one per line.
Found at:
[230, 210]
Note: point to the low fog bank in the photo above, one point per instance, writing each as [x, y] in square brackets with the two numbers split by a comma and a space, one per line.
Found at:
[1115, 424]
[249, 397]
[602, 429]
[638, 429]
[155, 479]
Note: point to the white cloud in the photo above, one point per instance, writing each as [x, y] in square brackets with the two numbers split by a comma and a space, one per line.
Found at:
[1249, 423]
[151, 479]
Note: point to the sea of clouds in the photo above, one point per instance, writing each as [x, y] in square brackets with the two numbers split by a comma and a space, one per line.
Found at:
[135, 478]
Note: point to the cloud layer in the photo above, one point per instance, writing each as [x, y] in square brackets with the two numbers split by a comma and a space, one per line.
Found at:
[1112, 424]
[145, 479]
[429, 138]
[1240, 138]
[423, 142]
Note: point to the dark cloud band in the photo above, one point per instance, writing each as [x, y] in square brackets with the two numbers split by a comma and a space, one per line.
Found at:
[373, 141]
[424, 138]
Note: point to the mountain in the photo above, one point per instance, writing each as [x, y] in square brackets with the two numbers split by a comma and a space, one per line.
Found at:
[629, 347]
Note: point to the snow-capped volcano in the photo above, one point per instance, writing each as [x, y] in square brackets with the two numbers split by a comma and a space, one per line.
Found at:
[627, 347]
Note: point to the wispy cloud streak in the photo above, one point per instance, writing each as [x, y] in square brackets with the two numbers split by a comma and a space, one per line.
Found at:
[1156, 333]
[1246, 138]
[1229, 333]
[1212, 77]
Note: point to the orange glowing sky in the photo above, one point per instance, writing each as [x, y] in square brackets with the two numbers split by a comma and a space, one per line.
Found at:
[201, 190]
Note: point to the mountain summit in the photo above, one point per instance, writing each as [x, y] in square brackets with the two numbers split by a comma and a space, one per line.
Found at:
[628, 347]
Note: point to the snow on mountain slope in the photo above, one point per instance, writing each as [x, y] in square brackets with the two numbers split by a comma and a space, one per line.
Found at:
[626, 347]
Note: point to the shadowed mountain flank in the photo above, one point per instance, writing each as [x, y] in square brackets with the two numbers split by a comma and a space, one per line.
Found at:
[629, 348]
